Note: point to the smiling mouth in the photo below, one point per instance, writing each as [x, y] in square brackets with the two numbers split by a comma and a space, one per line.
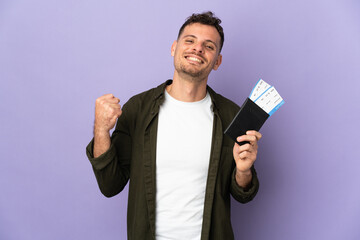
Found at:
[194, 59]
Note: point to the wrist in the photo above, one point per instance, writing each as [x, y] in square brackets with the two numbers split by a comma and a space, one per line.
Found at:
[243, 178]
[243, 172]
[101, 132]
[101, 142]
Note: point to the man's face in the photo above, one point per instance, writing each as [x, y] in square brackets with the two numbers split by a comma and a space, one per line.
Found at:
[197, 51]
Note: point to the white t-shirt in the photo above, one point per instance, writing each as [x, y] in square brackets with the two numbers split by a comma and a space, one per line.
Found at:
[182, 161]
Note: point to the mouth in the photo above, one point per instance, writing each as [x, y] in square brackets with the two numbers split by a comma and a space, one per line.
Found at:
[195, 59]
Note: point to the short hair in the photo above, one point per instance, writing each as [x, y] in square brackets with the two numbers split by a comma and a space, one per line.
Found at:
[206, 18]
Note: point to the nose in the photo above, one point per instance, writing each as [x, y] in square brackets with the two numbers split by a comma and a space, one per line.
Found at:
[198, 47]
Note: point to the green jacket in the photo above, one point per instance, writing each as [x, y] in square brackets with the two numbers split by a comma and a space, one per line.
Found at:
[132, 156]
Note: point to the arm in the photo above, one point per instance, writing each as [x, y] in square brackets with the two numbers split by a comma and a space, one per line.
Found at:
[110, 157]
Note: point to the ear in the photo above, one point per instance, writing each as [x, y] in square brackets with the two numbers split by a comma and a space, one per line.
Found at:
[218, 62]
[173, 47]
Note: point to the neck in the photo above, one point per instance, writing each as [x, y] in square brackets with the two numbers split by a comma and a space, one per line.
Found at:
[187, 90]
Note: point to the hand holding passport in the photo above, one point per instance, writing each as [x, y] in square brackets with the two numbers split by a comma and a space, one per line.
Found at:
[263, 101]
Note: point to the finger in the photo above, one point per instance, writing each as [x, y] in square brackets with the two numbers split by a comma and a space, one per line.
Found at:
[109, 95]
[112, 111]
[246, 138]
[117, 115]
[103, 100]
[254, 133]
[114, 105]
[247, 155]
[245, 147]
[113, 100]
[244, 155]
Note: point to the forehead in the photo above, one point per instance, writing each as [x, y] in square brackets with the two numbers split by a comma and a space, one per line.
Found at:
[201, 31]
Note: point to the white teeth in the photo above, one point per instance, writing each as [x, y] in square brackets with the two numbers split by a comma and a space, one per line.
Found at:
[194, 59]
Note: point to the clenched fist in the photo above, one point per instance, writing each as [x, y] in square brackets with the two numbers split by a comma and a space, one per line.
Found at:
[107, 110]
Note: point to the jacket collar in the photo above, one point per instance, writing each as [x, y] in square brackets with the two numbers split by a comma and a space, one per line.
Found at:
[159, 93]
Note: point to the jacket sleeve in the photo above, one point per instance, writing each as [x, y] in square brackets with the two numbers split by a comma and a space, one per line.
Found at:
[239, 193]
[112, 168]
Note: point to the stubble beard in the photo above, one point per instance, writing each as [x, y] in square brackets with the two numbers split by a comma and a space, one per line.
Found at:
[190, 73]
[193, 73]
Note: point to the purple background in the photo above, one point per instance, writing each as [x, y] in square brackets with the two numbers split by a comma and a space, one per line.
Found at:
[57, 57]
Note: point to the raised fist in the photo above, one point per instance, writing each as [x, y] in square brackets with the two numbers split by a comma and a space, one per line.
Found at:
[107, 110]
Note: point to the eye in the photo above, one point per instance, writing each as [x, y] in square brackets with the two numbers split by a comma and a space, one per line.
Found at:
[210, 47]
[189, 41]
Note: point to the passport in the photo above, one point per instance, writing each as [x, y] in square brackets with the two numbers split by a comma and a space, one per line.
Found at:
[263, 101]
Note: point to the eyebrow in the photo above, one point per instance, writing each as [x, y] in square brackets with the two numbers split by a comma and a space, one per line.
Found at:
[193, 36]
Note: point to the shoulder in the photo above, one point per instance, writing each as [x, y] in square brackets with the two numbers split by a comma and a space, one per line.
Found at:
[222, 103]
[140, 107]
[146, 98]
[224, 107]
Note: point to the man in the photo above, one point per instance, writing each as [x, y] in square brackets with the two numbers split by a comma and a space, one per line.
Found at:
[169, 142]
